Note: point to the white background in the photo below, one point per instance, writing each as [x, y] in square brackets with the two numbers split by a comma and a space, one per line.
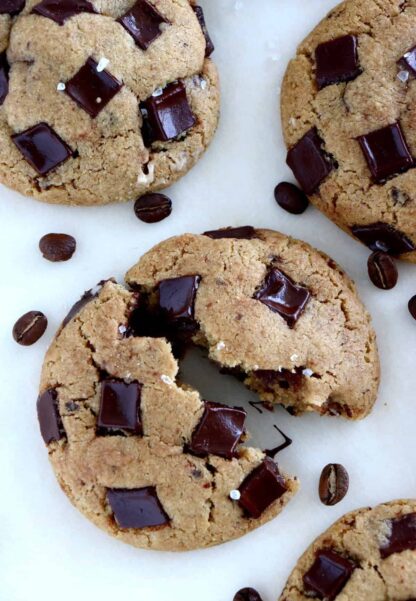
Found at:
[47, 549]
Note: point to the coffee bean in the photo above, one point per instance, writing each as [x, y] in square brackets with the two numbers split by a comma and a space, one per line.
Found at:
[291, 198]
[247, 594]
[29, 328]
[412, 307]
[57, 247]
[152, 208]
[333, 484]
[382, 270]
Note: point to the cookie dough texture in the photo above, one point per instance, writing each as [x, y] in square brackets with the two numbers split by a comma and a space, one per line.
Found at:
[358, 536]
[112, 163]
[333, 342]
[193, 491]
[385, 30]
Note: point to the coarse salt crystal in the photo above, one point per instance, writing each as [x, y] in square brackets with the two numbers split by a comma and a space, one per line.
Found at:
[102, 64]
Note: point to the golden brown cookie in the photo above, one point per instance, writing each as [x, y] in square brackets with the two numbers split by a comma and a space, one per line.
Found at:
[103, 101]
[348, 115]
[368, 554]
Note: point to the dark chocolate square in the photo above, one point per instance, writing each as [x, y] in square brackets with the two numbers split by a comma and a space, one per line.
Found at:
[245, 232]
[92, 90]
[261, 488]
[337, 61]
[309, 162]
[219, 431]
[383, 237]
[137, 508]
[402, 535]
[408, 61]
[11, 7]
[4, 77]
[328, 575]
[120, 406]
[61, 10]
[143, 22]
[177, 297]
[42, 148]
[48, 416]
[167, 115]
[209, 48]
[280, 294]
[386, 152]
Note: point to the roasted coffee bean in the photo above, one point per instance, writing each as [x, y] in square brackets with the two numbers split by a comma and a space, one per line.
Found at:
[412, 306]
[333, 484]
[152, 207]
[290, 198]
[382, 270]
[29, 328]
[247, 594]
[57, 247]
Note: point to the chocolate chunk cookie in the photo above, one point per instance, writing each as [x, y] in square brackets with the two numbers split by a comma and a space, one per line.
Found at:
[137, 451]
[369, 553]
[348, 111]
[103, 101]
[277, 313]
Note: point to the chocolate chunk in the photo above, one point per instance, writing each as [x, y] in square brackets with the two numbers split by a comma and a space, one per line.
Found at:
[144, 23]
[245, 232]
[402, 535]
[287, 442]
[4, 77]
[290, 198]
[408, 61]
[247, 594]
[167, 115]
[383, 237]
[11, 7]
[328, 575]
[209, 48]
[42, 148]
[91, 89]
[61, 10]
[261, 488]
[219, 431]
[333, 484]
[386, 152]
[284, 378]
[412, 307]
[120, 406]
[337, 61]
[309, 161]
[177, 297]
[49, 420]
[382, 270]
[29, 328]
[137, 508]
[57, 247]
[87, 297]
[280, 294]
[153, 207]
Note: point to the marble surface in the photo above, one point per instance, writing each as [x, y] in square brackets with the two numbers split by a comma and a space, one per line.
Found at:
[47, 549]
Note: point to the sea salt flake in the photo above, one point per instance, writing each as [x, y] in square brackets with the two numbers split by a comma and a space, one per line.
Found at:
[220, 345]
[102, 64]
[403, 76]
[235, 495]
[307, 372]
[166, 380]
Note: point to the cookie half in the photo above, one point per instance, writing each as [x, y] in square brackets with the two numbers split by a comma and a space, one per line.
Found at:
[100, 101]
[367, 554]
[136, 451]
[348, 113]
[277, 313]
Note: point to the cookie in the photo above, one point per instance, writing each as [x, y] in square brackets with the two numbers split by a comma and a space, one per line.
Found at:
[275, 312]
[367, 554]
[103, 101]
[136, 450]
[348, 113]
